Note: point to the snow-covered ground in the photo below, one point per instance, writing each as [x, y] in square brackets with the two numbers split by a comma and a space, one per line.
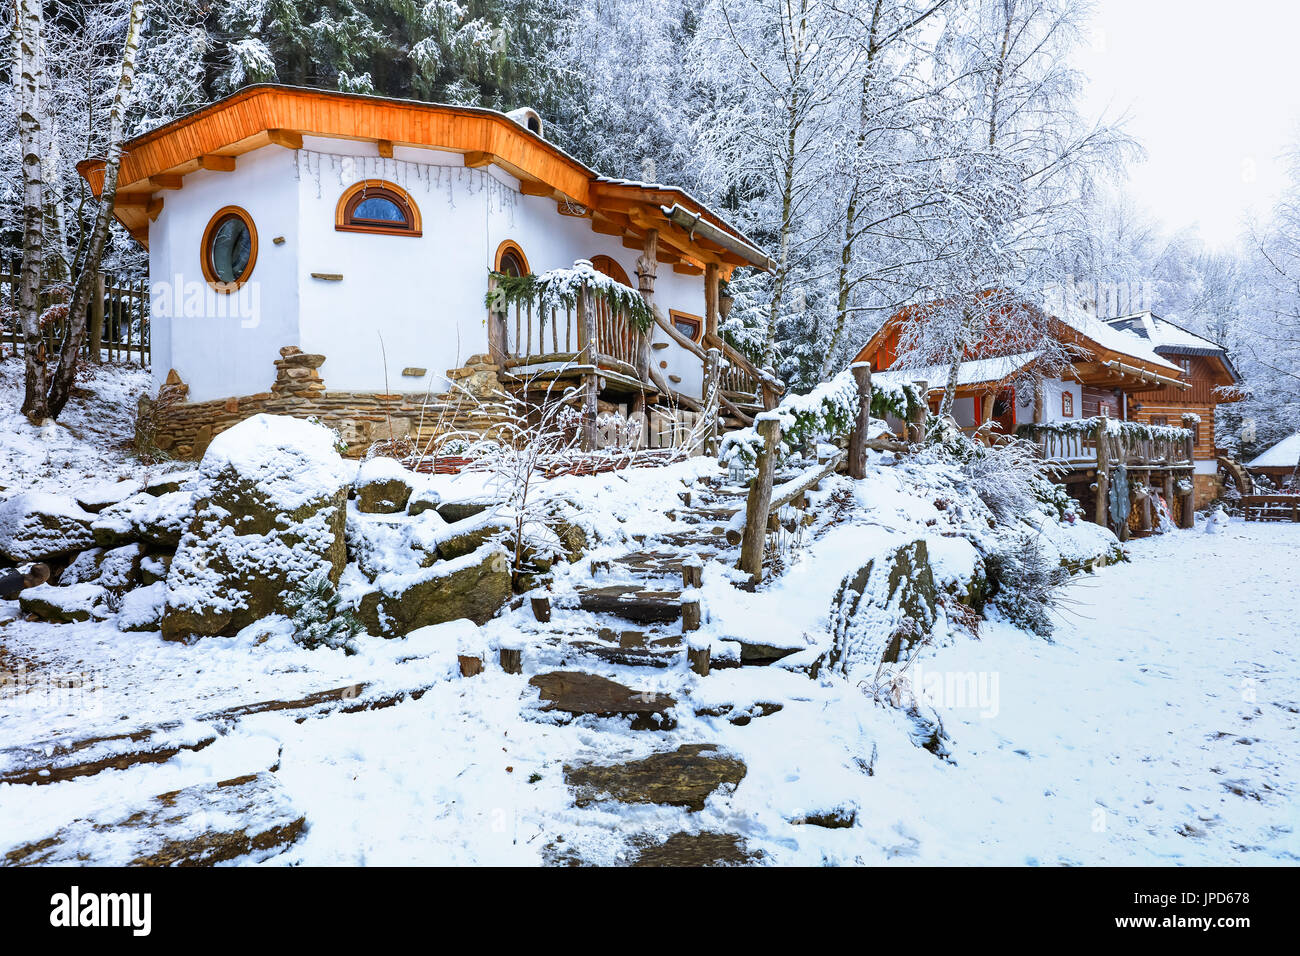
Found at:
[1159, 727]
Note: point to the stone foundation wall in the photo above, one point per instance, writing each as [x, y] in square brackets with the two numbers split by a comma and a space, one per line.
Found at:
[1207, 488]
[184, 429]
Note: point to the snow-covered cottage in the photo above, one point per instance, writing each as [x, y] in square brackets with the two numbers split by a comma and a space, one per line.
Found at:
[1279, 463]
[1138, 369]
[326, 254]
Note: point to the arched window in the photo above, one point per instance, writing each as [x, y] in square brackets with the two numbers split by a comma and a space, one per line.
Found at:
[606, 265]
[510, 260]
[376, 206]
[229, 249]
[691, 326]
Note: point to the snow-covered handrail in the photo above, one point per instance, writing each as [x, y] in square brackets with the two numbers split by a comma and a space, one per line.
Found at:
[828, 411]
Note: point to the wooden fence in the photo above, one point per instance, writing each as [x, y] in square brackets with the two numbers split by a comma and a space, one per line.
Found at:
[117, 323]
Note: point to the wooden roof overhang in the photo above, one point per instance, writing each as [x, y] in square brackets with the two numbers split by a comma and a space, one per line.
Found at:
[212, 138]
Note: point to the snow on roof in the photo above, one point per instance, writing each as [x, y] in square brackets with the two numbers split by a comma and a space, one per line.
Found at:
[1284, 454]
[976, 372]
[1162, 333]
[1107, 336]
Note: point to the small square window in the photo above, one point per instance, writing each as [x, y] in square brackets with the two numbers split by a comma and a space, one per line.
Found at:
[1067, 404]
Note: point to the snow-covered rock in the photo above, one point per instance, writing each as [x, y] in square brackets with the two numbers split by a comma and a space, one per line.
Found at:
[98, 496]
[156, 520]
[117, 570]
[36, 525]
[382, 486]
[142, 609]
[270, 510]
[882, 611]
[474, 586]
[76, 602]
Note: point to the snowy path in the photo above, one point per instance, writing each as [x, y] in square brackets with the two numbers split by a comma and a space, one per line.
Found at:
[1163, 726]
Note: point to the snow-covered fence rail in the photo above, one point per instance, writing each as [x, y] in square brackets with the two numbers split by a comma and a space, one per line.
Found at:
[118, 319]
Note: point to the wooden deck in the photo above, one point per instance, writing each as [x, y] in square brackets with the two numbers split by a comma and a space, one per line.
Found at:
[1271, 507]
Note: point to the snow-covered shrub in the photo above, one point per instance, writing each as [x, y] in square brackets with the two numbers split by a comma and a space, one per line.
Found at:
[1011, 478]
[320, 618]
[1024, 582]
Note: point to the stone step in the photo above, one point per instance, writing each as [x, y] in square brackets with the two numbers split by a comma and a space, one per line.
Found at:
[632, 602]
[581, 694]
[624, 648]
[685, 777]
[245, 817]
[709, 848]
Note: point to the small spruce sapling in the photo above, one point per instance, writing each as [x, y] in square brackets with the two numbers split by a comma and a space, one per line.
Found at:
[320, 618]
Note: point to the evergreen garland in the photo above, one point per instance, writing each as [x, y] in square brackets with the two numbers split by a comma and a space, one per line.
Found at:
[558, 289]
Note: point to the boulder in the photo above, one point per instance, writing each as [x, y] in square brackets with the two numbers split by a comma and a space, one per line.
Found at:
[474, 586]
[153, 568]
[63, 605]
[157, 520]
[882, 611]
[422, 500]
[116, 570]
[453, 511]
[470, 534]
[169, 483]
[685, 777]
[270, 510]
[382, 487]
[37, 525]
[95, 498]
[142, 609]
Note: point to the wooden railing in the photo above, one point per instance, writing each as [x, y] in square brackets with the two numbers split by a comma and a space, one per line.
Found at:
[533, 333]
[1076, 445]
[117, 320]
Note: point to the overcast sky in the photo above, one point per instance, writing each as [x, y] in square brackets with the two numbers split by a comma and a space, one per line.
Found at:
[1213, 93]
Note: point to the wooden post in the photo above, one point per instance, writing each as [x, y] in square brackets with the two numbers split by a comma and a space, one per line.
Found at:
[916, 411]
[1040, 400]
[647, 267]
[97, 318]
[591, 356]
[710, 302]
[760, 500]
[470, 666]
[692, 572]
[712, 398]
[858, 437]
[986, 413]
[511, 660]
[541, 608]
[1103, 476]
[690, 614]
[699, 658]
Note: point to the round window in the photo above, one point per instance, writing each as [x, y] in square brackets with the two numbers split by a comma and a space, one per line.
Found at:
[229, 249]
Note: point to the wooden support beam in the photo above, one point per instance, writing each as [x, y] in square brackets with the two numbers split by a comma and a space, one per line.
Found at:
[477, 159]
[858, 437]
[687, 269]
[530, 187]
[133, 200]
[165, 181]
[218, 164]
[711, 300]
[154, 208]
[385, 148]
[288, 138]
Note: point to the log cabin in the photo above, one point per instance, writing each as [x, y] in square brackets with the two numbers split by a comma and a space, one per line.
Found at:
[1204, 366]
[1137, 369]
[335, 255]
[1279, 463]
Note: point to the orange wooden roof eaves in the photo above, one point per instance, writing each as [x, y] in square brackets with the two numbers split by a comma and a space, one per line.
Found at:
[241, 122]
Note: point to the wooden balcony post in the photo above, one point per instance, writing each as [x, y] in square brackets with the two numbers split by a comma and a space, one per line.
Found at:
[647, 267]
[759, 502]
[590, 356]
[858, 437]
[1103, 475]
[1040, 401]
[496, 330]
[711, 301]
